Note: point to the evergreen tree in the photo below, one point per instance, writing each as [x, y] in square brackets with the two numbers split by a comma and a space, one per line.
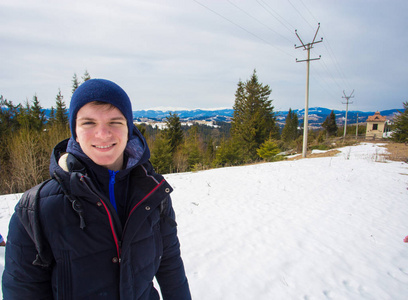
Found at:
[192, 148]
[86, 76]
[23, 115]
[61, 112]
[162, 156]
[173, 132]
[268, 150]
[51, 119]
[290, 131]
[8, 126]
[210, 152]
[400, 133]
[75, 83]
[37, 115]
[142, 129]
[227, 154]
[330, 124]
[8, 117]
[253, 120]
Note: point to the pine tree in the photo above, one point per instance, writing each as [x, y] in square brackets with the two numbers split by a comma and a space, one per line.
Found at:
[227, 154]
[253, 120]
[400, 133]
[24, 116]
[37, 115]
[162, 156]
[290, 131]
[210, 152]
[192, 148]
[61, 112]
[173, 132]
[8, 114]
[268, 150]
[330, 124]
[86, 76]
[8, 126]
[51, 119]
[75, 83]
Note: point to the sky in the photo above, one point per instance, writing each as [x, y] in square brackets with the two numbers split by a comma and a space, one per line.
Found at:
[284, 231]
[192, 53]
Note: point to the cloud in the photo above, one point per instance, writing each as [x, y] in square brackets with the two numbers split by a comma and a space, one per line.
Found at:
[192, 54]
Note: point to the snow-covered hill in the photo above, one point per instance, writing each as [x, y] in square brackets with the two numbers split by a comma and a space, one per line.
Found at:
[321, 228]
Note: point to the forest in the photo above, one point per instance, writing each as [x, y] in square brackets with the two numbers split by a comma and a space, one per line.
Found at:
[27, 137]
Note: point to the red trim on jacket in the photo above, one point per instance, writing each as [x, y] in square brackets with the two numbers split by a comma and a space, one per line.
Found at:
[147, 196]
[112, 229]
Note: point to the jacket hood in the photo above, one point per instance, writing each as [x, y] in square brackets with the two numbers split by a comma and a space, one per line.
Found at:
[136, 153]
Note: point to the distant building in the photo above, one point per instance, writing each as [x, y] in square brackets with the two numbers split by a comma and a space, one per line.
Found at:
[377, 126]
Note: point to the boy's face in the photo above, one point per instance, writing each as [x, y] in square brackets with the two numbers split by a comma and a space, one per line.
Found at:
[102, 133]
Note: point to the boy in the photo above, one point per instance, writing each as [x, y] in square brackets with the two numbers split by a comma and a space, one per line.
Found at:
[104, 225]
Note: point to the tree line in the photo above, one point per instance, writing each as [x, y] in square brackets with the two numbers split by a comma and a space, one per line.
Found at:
[27, 137]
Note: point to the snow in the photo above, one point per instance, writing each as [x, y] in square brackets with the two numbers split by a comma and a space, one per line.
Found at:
[316, 151]
[315, 228]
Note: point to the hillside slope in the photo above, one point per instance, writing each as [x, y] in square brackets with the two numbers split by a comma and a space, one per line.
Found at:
[321, 228]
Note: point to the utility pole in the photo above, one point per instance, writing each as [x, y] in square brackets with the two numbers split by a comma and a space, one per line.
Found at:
[357, 128]
[307, 47]
[347, 103]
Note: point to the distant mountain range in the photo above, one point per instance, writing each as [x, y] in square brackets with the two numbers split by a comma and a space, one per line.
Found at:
[219, 115]
[317, 115]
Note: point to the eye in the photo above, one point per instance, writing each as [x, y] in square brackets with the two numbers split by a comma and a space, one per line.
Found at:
[117, 123]
[86, 123]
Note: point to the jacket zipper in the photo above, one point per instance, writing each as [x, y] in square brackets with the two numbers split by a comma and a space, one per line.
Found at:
[115, 237]
[118, 243]
[112, 199]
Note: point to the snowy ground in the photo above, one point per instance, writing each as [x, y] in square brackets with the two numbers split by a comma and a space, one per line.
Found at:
[321, 228]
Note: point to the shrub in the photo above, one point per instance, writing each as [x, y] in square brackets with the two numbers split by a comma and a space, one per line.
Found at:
[269, 151]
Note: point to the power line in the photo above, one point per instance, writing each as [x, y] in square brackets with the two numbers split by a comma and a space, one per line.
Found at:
[269, 9]
[300, 14]
[239, 26]
[331, 75]
[329, 50]
[320, 80]
[308, 10]
[339, 80]
[256, 19]
[336, 63]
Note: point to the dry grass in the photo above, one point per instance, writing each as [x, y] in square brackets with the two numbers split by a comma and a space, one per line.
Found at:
[397, 152]
[309, 154]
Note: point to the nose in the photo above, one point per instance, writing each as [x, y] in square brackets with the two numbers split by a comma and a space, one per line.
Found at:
[103, 131]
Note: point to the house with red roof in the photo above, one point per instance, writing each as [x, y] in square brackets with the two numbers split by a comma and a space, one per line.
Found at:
[376, 126]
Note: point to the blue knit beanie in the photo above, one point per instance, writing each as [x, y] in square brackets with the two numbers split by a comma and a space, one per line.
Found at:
[100, 90]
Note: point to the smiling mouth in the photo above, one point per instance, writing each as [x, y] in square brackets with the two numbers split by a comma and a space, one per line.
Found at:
[104, 147]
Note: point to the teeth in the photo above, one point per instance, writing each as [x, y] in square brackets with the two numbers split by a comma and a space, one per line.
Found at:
[103, 147]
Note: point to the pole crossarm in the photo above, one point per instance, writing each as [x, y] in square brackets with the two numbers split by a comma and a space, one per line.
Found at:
[308, 59]
[348, 97]
[308, 46]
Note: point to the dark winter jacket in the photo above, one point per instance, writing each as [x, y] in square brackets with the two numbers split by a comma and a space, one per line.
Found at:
[72, 244]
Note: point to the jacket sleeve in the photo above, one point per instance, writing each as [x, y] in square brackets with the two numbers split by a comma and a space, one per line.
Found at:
[171, 275]
[21, 279]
